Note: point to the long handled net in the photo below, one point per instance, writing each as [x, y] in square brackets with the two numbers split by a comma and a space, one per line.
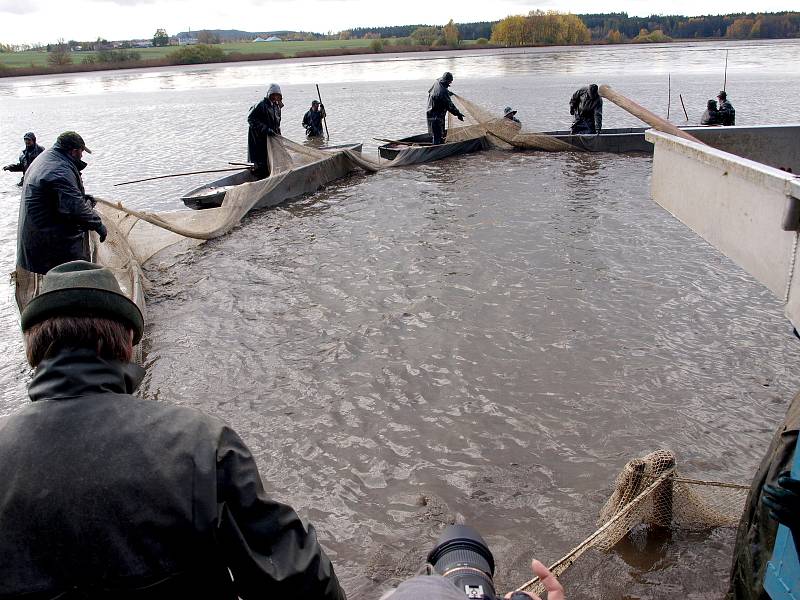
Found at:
[650, 491]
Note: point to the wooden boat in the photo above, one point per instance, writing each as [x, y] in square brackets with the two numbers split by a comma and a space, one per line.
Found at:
[305, 179]
[419, 149]
[632, 139]
[742, 195]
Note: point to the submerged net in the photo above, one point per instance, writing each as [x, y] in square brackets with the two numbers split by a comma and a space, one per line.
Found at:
[650, 491]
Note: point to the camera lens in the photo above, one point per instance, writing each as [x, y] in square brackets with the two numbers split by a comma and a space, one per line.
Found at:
[463, 557]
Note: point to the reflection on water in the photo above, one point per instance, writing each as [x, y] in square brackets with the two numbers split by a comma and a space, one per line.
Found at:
[489, 338]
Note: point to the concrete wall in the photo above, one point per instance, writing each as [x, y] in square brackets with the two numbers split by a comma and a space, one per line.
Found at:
[774, 145]
[735, 204]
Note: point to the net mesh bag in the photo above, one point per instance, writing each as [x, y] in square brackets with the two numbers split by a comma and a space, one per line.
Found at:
[650, 491]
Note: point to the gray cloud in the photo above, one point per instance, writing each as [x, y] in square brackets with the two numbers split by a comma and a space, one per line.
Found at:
[18, 8]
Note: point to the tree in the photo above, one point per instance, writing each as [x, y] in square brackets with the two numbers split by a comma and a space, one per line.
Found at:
[451, 34]
[425, 36]
[59, 54]
[740, 29]
[160, 38]
[510, 31]
[345, 35]
[615, 37]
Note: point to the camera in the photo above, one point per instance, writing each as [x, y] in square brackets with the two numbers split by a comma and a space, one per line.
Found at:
[463, 557]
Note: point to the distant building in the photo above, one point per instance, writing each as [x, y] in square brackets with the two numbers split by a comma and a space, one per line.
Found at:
[274, 38]
[259, 39]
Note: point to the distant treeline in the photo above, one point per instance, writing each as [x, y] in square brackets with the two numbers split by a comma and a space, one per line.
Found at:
[620, 27]
[467, 31]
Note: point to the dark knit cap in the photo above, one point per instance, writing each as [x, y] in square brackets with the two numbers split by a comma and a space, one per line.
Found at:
[82, 289]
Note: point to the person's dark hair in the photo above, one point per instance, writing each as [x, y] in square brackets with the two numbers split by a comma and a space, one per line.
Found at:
[111, 339]
[593, 89]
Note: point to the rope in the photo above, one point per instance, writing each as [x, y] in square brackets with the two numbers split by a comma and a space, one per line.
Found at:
[792, 263]
[567, 560]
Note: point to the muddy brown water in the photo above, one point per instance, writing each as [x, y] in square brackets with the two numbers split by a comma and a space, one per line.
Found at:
[488, 338]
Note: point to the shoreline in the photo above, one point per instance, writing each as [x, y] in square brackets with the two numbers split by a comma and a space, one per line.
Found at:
[389, 54]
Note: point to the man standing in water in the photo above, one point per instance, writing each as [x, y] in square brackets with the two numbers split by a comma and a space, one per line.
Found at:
[106, 495]
[55, 215]
[265, 121]
[31, 151]
[727, 115]
[439, 104]
[312, 120]
[586, 106]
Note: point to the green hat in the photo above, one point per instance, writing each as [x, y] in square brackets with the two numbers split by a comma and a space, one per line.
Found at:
[69, 140]
[82, 289]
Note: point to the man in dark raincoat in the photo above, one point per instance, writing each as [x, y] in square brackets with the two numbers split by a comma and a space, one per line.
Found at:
[586, 106]
[108, 495]
[439, 104]
[31, 151]
[55, 214]
[711, 115]
[265, 121]
[726, 113]
[312, 120]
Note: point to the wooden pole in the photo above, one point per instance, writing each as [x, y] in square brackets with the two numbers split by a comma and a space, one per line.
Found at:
[325, 118]
[177, 175]
[684, 108]
[645, 115]
[669, 93]
[401, 143]
[725, 80]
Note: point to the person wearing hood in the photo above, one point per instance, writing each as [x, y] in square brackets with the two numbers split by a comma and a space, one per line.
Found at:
[31, 151]
[711, 115]
[109, 495]
[586, 106]
[727, 114]
[439, 104]
[312, 120]
[264, 121]
[55, 214]
[510, 114]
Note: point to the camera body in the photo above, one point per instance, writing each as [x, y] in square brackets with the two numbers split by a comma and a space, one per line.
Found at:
[462, 556]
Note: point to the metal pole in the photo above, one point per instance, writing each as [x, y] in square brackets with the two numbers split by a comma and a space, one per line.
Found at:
[325, 118]
[669, 93]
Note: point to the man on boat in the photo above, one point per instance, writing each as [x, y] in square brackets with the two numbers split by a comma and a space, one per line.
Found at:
[711, 114]
[31, 151]
[587, 107]
[107, 495]
[265, 121]
[726, 113]
[510, 114]
[439, 104]
[55, 214]
[312, 120]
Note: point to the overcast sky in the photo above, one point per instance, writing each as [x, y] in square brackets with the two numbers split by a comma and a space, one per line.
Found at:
[29, 21]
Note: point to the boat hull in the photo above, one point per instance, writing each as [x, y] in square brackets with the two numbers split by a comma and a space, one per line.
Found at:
[303, 180]
[412, 155]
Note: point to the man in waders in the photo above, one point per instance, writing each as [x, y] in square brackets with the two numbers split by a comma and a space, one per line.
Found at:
[264, 121]
[312, 120]
[727, 114]
[586, 106]
[31, 151]
[107, 495]
[439, 104]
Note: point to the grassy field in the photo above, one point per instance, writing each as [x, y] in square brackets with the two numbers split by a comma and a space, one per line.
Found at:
[288, 49]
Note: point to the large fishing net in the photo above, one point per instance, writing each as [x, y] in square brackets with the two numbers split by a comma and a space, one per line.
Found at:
[650, 492]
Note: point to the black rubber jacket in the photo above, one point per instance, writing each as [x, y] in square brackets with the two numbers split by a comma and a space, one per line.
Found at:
[54, 213]
[439, 102]
[105, 495]
[25, 159]
[264, 120]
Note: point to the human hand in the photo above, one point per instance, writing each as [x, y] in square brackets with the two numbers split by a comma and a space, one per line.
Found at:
[270, 131]
[460, 117]
[783, 501]
[91, 199]
[7, 168]
[102, 232]
[554, 589]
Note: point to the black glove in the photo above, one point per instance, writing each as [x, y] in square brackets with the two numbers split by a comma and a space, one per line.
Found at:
[91, 199]
[7, 168]
[783, 501]
[460, 117]
[102, 232]
[271, 131]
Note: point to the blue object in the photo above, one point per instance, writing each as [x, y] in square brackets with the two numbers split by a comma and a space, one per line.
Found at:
[782, 581]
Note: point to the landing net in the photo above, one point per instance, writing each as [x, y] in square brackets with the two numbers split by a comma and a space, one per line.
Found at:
[650, 491]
